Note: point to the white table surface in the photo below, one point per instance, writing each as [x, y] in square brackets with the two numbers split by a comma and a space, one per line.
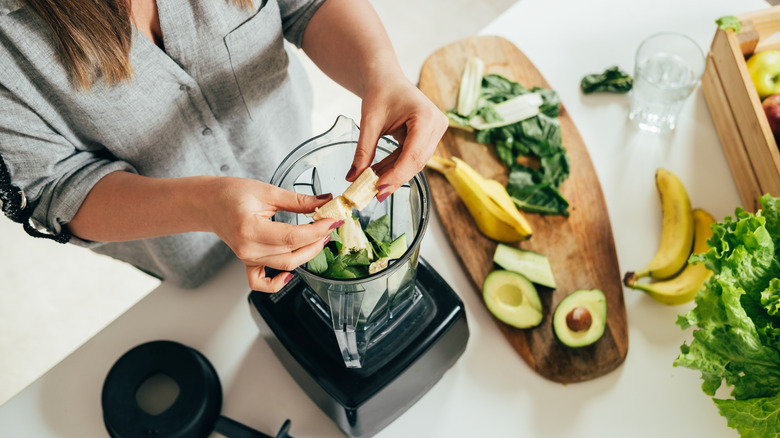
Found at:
[490, 391]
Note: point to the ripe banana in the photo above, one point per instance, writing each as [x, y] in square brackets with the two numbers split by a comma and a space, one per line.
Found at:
[357, 196]
[686, 285]
[487, 201]
[676, 229]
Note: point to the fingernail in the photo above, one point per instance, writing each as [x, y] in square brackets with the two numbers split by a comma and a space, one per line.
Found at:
[289, 277]
[382, 196]
[336, 225]
[382, 187]
[326, 240]
[324, 196]
[351, 173]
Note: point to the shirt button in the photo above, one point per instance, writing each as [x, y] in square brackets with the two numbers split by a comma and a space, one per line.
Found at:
[207, 131]
[224, 168]
[183, 87]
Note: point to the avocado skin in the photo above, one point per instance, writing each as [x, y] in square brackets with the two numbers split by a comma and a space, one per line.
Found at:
[596, 303]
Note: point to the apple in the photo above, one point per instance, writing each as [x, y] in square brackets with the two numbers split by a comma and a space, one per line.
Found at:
[764, 69]
[772, 109]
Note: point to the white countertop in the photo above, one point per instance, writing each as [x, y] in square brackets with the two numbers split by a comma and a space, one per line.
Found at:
[490, 391]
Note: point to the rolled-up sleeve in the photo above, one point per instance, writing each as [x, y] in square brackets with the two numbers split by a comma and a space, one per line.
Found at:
[52, 174]
[295, 16]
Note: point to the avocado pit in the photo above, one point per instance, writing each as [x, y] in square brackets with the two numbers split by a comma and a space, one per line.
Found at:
[579, 319]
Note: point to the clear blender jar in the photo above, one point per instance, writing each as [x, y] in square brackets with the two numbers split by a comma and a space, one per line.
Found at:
[361, 311]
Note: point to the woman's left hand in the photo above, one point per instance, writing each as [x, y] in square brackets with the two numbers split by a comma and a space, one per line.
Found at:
[394, 106]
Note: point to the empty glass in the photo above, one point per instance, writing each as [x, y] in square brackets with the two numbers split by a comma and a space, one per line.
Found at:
[361, 310]
[668, 66]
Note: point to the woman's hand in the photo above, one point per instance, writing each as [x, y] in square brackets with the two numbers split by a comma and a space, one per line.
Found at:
[393, 106]
[240, 215]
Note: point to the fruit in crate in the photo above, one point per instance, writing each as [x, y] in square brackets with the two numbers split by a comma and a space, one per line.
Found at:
[772, 110]
[764, 69]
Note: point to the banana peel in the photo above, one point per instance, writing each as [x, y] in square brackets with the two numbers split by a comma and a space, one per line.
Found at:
[683, 287]
[487, 201]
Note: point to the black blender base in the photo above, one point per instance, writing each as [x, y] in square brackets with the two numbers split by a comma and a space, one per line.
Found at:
[362, 401]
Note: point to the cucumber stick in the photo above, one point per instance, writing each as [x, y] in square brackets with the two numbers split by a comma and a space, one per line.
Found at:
[532, 265]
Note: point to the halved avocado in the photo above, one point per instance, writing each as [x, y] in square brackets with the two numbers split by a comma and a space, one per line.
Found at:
[580, 318]
[512, 298]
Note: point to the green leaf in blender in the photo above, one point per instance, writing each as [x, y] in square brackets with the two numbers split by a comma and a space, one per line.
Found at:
[319, 263]
[379, 229]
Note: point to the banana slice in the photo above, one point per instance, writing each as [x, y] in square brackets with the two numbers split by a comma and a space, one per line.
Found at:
[358, 195]
[363, 190]
[337, 208]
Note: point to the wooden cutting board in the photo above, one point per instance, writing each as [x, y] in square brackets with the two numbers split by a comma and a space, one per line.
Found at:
[580, 248]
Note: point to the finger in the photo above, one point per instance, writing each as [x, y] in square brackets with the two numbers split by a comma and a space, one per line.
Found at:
[291, 260]
[366, 148]
[295, 202]
[260, 282]
[417, 150]
[282, 238]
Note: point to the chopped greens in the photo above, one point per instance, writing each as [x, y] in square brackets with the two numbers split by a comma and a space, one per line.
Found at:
[530, 127]
[354, 252]
[736, 336]
[612, 80]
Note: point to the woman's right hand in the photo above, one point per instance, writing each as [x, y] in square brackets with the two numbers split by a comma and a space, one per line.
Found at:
[240, 213]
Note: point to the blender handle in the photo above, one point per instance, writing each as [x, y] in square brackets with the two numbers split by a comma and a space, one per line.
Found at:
[233, 429]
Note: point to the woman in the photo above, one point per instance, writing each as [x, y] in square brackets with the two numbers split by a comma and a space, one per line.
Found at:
[143, 130]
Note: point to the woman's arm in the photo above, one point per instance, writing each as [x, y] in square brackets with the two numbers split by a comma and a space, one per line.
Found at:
[347, 41]
[124, 206]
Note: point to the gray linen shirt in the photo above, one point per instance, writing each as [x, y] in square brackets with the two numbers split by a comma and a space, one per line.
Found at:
[226, 97]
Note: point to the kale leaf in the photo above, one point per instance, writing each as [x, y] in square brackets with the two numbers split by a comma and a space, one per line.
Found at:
[611, 80]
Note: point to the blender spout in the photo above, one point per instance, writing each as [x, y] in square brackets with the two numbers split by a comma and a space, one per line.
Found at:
[345, 310]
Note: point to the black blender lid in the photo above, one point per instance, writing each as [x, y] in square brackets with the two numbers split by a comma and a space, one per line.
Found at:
[195, 413]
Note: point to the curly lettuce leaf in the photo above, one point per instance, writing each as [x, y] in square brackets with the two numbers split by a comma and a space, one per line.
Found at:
[736, 336]
[754, 418]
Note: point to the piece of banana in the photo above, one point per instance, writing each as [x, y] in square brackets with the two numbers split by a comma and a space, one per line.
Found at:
[684, 287]
[337, 208]
[363, 190]
[487, 201]
[358, 195]
[676, 229]
[353, 239]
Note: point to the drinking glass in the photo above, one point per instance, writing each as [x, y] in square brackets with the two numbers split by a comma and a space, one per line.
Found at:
[668, 67]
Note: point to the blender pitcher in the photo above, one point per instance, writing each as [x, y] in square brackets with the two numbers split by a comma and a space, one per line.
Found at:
[362, 310]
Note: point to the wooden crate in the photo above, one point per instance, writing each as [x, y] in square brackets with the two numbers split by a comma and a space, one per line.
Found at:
[742, 126]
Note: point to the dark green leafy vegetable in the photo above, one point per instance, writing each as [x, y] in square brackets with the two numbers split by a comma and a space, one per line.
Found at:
[332, 264]
[532, 190]
[729, 22]
[379, 230]
[612, 80]
[736, 339]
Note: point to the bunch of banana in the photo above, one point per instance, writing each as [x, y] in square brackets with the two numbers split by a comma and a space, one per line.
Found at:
[357, 196]
[684, 287]
[673, 284]
[487, 201]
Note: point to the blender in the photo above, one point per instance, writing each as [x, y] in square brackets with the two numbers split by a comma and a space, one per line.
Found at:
[363, 349]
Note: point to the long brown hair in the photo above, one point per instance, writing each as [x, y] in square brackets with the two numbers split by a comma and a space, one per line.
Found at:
[93, 37]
